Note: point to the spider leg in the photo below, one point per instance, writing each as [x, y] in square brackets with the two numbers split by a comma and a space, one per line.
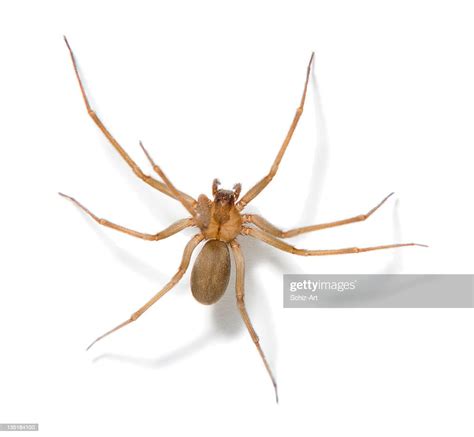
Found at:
[273, 230]
[257, 188]
[189, 205]
[239, 289]
[160, 186]
[170, 230]
[275, 242]
[174, 280]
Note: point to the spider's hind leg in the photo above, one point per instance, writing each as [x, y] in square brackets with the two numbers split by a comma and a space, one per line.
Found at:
[259, 186]
[239, 289]
[174, 280]
[279, 244]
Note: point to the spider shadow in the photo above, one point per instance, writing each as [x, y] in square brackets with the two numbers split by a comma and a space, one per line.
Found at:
[164, 360]
[226, 319]
[396, 263]
[318, 175]
[146, 194]
[320, 157]
[371, 287]
[226, 316]
[130, 261]
[126, 174]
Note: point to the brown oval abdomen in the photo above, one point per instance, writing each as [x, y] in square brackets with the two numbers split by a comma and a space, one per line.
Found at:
[211, 271]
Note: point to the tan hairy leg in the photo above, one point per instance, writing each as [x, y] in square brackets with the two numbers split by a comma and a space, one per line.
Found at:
[273, 230]
[160, 186]
[275, 242]
[257, 188]
[239, 289]
[177, 194]
[170, 230]
[174, 280]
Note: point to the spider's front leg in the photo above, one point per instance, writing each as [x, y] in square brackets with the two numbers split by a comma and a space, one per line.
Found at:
[259, 186]
[133, 165]
[239, 289]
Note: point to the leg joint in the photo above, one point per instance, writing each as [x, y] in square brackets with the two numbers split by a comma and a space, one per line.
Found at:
[137, 170]
[272, 172]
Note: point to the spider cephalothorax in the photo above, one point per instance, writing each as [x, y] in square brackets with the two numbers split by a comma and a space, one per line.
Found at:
[220, 222]
[219, 219]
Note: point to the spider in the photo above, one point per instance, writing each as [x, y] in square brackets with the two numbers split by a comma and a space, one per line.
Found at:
[219, 221]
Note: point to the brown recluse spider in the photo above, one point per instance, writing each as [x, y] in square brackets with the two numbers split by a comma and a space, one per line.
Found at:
[220, 221]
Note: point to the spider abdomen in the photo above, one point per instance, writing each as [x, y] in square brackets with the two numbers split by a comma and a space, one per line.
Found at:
[211, 272]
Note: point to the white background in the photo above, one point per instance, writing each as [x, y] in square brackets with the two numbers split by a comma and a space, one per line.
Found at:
[211, 89]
